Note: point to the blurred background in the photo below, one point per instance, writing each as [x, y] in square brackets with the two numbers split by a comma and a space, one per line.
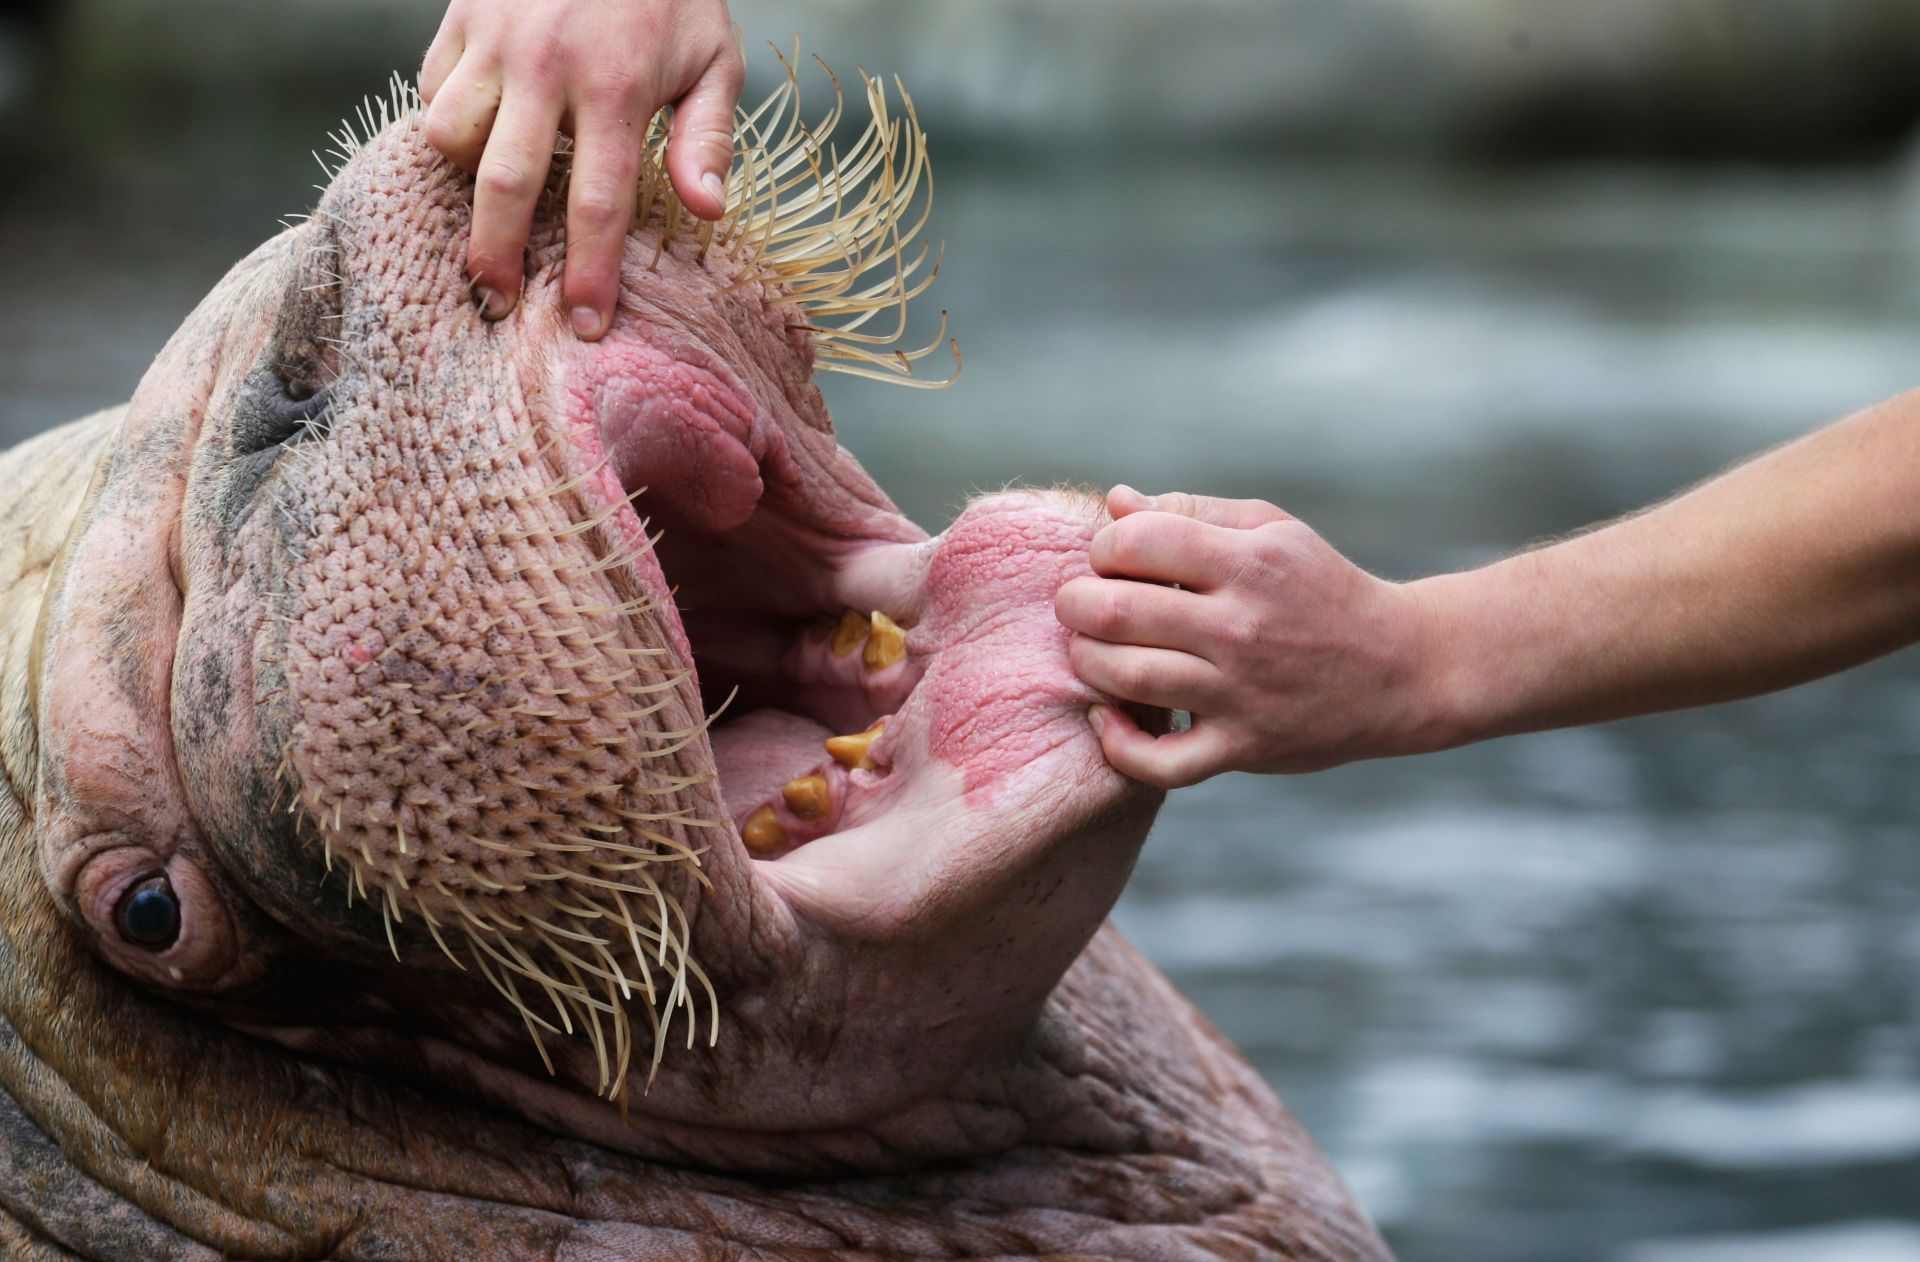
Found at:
[1441, 276]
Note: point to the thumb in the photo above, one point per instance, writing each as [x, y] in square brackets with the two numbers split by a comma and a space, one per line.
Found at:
[1232, 514]
[700, 150]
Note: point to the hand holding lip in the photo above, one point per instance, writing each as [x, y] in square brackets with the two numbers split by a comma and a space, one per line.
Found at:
[503, 77]
[1288, 656]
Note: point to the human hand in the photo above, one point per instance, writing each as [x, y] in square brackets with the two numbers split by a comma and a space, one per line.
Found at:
[504, 76]
[1289, 657]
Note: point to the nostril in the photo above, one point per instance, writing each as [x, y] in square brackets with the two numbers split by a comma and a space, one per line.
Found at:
[283, 408]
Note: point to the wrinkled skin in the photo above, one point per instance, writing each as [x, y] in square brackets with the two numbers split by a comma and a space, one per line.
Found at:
[238, 638]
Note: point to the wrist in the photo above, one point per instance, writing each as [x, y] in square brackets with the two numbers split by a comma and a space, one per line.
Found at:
[1454, 691]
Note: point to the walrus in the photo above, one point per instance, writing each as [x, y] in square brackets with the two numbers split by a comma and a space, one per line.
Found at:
[475, 794]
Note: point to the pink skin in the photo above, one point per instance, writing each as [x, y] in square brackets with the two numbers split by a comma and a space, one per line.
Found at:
[371, 639]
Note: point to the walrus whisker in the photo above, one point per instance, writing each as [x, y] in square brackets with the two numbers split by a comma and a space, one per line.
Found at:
[821, 228]
[387, 921]
[794, 200]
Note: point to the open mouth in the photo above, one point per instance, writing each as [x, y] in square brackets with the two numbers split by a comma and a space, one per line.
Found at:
[801, 619]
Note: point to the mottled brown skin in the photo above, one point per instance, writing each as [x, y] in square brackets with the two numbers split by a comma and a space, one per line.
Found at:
[142, 1119]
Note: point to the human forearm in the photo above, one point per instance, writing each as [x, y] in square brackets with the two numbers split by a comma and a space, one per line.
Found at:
[1801, 562]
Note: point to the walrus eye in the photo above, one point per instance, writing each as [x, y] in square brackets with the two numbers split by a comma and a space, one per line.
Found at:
[150, 914]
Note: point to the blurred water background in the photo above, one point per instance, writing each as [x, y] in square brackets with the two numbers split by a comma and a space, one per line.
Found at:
[1441, 276]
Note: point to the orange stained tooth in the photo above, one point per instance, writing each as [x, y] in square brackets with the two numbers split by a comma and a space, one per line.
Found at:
[847, 636]
[851, 751]
[887, 645]
[763, 833]
[807, 797]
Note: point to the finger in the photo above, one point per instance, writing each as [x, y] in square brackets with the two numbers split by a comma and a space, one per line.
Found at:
[513, 174]
[1165, 548]
[1157, 677]
[1123, 499]
[700, 147]
[1166, 762]
[1122, 612]
[606, 165]
[462, 112]
[443, 54]
[1233, 514]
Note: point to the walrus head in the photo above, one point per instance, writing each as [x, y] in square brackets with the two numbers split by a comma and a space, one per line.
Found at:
[555, 721]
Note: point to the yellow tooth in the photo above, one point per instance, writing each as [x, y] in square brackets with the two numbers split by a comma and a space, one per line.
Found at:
[887, 645]
[851, 751]
[807, 797]
[847, 636]
[763, 833]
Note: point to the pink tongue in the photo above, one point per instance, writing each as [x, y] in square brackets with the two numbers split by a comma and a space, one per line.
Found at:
[758, 753]
[673, 426]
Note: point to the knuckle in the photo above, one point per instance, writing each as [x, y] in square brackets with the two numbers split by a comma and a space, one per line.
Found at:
[506, 179]
[1106, 613]
[596, 207]
[491, 263]
[1277, 548]
[612, 96]
[543, 58]
[728, 71]
[1236, 630]
[1130, 676]
[720, 142]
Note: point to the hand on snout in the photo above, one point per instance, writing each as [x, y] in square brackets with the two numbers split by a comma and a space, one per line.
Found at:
[1288, 656]
[503, 77]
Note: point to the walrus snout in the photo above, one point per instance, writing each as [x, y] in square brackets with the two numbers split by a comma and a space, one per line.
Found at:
[599, 681]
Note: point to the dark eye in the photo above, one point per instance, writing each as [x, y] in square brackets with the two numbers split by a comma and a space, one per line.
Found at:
[150, 914]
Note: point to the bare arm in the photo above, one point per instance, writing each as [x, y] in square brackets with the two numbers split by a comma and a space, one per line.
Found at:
[1796, 564]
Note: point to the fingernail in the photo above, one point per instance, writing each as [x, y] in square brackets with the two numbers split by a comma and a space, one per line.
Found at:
[715, 186]
[1124, 489]
[586, 322]
[493, 303]
[1098, 718]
